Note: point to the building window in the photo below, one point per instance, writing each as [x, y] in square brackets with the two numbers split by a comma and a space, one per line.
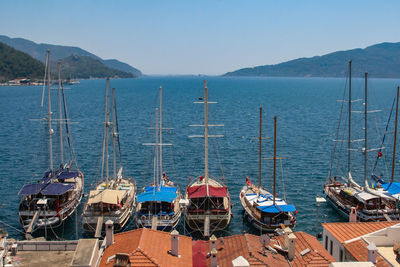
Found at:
[331, 249]
[341, 255]
[326, 242]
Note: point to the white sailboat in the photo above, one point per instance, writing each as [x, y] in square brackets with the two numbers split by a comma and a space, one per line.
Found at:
[158, 205]
[262, 209]
[49, 202]
[209, 202]
[114, 198]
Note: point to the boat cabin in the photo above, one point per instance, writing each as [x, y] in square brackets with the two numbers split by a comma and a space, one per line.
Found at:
[107, 201]
[216, 201]
[154, 201]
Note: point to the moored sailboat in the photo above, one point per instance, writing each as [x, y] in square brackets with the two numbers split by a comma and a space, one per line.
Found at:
[347, 197]
[158, 205]
[262, 209]
[209, 202]
[114, 198]
[49, 202]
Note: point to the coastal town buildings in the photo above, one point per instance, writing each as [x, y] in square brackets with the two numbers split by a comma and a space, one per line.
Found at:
[376, 242]
[362, 244]
[147, 247]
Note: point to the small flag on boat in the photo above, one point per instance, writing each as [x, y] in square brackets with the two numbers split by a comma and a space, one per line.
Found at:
[380, 154]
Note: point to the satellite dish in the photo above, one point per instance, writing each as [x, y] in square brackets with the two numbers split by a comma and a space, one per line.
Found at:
[264, 239]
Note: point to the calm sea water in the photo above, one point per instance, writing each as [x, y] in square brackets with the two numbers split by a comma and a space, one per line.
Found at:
[307, 110]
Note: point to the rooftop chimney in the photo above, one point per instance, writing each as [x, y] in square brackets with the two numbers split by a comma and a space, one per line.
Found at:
[175, 243]
[214, 260]
[287, 231]
[291, 246]
[213, 242]
[240, 262]
[353, 215]
[372, 250]
[109, 233]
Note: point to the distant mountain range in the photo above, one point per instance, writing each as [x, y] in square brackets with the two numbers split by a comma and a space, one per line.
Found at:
[59, 52]
[16, 64]
[86, 67]
[380, 61]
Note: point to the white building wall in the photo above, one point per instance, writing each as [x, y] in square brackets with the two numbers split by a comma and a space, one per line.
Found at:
[336, 246]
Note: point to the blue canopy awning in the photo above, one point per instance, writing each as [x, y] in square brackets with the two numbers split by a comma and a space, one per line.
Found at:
[164, 196]
[393, 189]
[162, 189]
[31, 189]
[276, 209]
[56, 189]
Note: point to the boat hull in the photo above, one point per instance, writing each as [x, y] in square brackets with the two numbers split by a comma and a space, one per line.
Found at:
[89, 223]
[163, 223]
[119, 217]
[50, 217]
[255, 222]
[363, 215]
[218, 218]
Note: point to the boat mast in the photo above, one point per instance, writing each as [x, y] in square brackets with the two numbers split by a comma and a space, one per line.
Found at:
[107, 128]
[60, 113]
[349, 134]
[365, 133]
[160, 130]
[206, 134]
[114, 135]
[259, 151]
[157, 174]
[274, 158]
[49, 112]
[395, 134]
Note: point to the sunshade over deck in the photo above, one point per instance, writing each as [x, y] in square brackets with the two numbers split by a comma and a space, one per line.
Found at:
[162, 196]
[108, 196]
[31, 189]
[276, 209]
[56, 189]
[393, 188]
[201, 191]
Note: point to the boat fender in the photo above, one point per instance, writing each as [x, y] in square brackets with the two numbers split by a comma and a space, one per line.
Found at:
[242, 194]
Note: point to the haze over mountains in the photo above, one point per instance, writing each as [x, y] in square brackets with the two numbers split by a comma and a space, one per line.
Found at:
[380, 61]
[59, 52]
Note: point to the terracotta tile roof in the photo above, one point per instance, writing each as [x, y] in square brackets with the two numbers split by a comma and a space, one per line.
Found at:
[358, 249]
[347, 231]
[147, 247]
[231, 247]
[200, 248]
[318, 255]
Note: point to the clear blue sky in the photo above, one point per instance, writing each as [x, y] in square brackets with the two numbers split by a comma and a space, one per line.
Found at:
[203, 36]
